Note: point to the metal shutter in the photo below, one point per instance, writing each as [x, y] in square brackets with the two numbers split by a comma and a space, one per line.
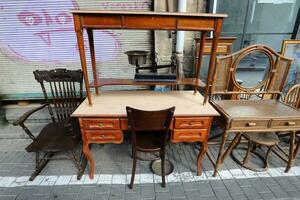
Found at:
[39, 34]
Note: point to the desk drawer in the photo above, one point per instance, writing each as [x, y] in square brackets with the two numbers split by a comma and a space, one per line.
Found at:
[191, 122]
[249, 124]
[279, 123]
[107, 136]
[101, 123]
[189, 135]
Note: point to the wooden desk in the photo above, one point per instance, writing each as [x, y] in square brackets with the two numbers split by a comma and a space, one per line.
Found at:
[256, 116]
[106, 119]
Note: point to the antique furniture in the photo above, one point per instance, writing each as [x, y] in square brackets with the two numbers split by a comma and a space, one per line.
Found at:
[105, 121]
[255, 139]
[291, 98]
[149, 133]
[63, 133]
[102, 116]
[90, 20]
[263, 113]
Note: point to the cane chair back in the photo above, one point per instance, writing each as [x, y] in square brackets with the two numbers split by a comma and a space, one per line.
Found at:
[62, 91]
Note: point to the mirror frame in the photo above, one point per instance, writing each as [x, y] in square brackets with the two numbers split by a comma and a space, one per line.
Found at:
[243, 55]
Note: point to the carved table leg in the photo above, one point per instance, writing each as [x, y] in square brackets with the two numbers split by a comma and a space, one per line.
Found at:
[88, 154]
[291, 152]
[201, 154]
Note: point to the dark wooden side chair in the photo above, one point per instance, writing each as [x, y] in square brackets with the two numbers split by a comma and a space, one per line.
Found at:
[63, 133]
[150, 130]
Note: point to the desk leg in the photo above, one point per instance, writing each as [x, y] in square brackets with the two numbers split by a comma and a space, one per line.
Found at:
[292, 151]
[221, 152]
[88, 154]
[201, 154]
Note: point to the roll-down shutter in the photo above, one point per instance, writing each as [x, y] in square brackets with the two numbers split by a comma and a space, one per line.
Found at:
[39, 34]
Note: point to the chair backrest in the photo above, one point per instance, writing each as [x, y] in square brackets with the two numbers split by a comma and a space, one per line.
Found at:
[141, 120]
[292, 96]
[62, 90]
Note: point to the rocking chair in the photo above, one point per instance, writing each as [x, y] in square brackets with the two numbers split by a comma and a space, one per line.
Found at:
[63, 133]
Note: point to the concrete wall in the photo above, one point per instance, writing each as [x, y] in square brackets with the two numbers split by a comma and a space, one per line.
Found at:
[163, 39]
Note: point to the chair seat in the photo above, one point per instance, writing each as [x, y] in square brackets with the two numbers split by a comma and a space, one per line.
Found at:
[149, 141]
[268, 139]
[53, 138]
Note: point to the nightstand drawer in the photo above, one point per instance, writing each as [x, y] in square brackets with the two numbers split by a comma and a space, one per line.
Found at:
[189, 135]
[191, 122]
[279, 123]
[101, 123]
[249, 124]
[108, 136]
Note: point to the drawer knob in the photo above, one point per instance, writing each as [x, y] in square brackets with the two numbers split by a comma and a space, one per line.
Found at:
[251, 124]
[101, 124]
[290, 124]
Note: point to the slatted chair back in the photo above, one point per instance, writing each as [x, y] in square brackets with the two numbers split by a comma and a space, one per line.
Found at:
[292, 96]
[62, 90]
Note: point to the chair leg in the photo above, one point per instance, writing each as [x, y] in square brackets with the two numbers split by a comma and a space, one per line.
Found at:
[163, 168]
[267, 157]
[133, 170]
[78, 164]
[247, 153]
[39, 165]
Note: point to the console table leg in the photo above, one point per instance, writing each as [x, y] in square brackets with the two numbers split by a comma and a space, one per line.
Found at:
[221, 152]
[291, 151]
[201, 154]
[88, 154]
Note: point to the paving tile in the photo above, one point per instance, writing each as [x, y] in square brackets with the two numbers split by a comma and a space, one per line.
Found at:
[192, 195]
[162, 196]
[279, 192]
[217, 184]
[205, 189]
[86, 193]
[117, 192]
[222, 194]
[239, 197]
[147, 191]
[100, 196]
[8, 197]
[251, 193]
[268, 196]
[132, 196]
[176, 191]
[259, 185]
[232, 187]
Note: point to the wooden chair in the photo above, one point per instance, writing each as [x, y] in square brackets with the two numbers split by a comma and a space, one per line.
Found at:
[150, 131]
[63, 133]
[291, 98]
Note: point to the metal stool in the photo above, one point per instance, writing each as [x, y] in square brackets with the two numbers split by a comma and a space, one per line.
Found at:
[254, 139]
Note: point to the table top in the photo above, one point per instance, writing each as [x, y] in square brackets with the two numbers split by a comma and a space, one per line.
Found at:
[256, 109]
[118, 12]
[113, 103]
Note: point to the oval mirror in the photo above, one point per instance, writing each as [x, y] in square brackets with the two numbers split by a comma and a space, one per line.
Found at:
[252, 69]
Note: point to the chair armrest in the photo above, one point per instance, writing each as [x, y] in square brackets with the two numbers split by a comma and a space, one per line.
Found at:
[27, 114]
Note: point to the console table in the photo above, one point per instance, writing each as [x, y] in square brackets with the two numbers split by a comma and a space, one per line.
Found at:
[106, 119]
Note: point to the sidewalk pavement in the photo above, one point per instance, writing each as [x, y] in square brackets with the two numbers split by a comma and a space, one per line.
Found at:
[113, 171]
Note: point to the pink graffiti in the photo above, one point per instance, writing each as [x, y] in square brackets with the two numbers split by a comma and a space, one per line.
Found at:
[43, 31]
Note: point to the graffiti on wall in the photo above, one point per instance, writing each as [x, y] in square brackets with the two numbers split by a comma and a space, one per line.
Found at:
[43, 31]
